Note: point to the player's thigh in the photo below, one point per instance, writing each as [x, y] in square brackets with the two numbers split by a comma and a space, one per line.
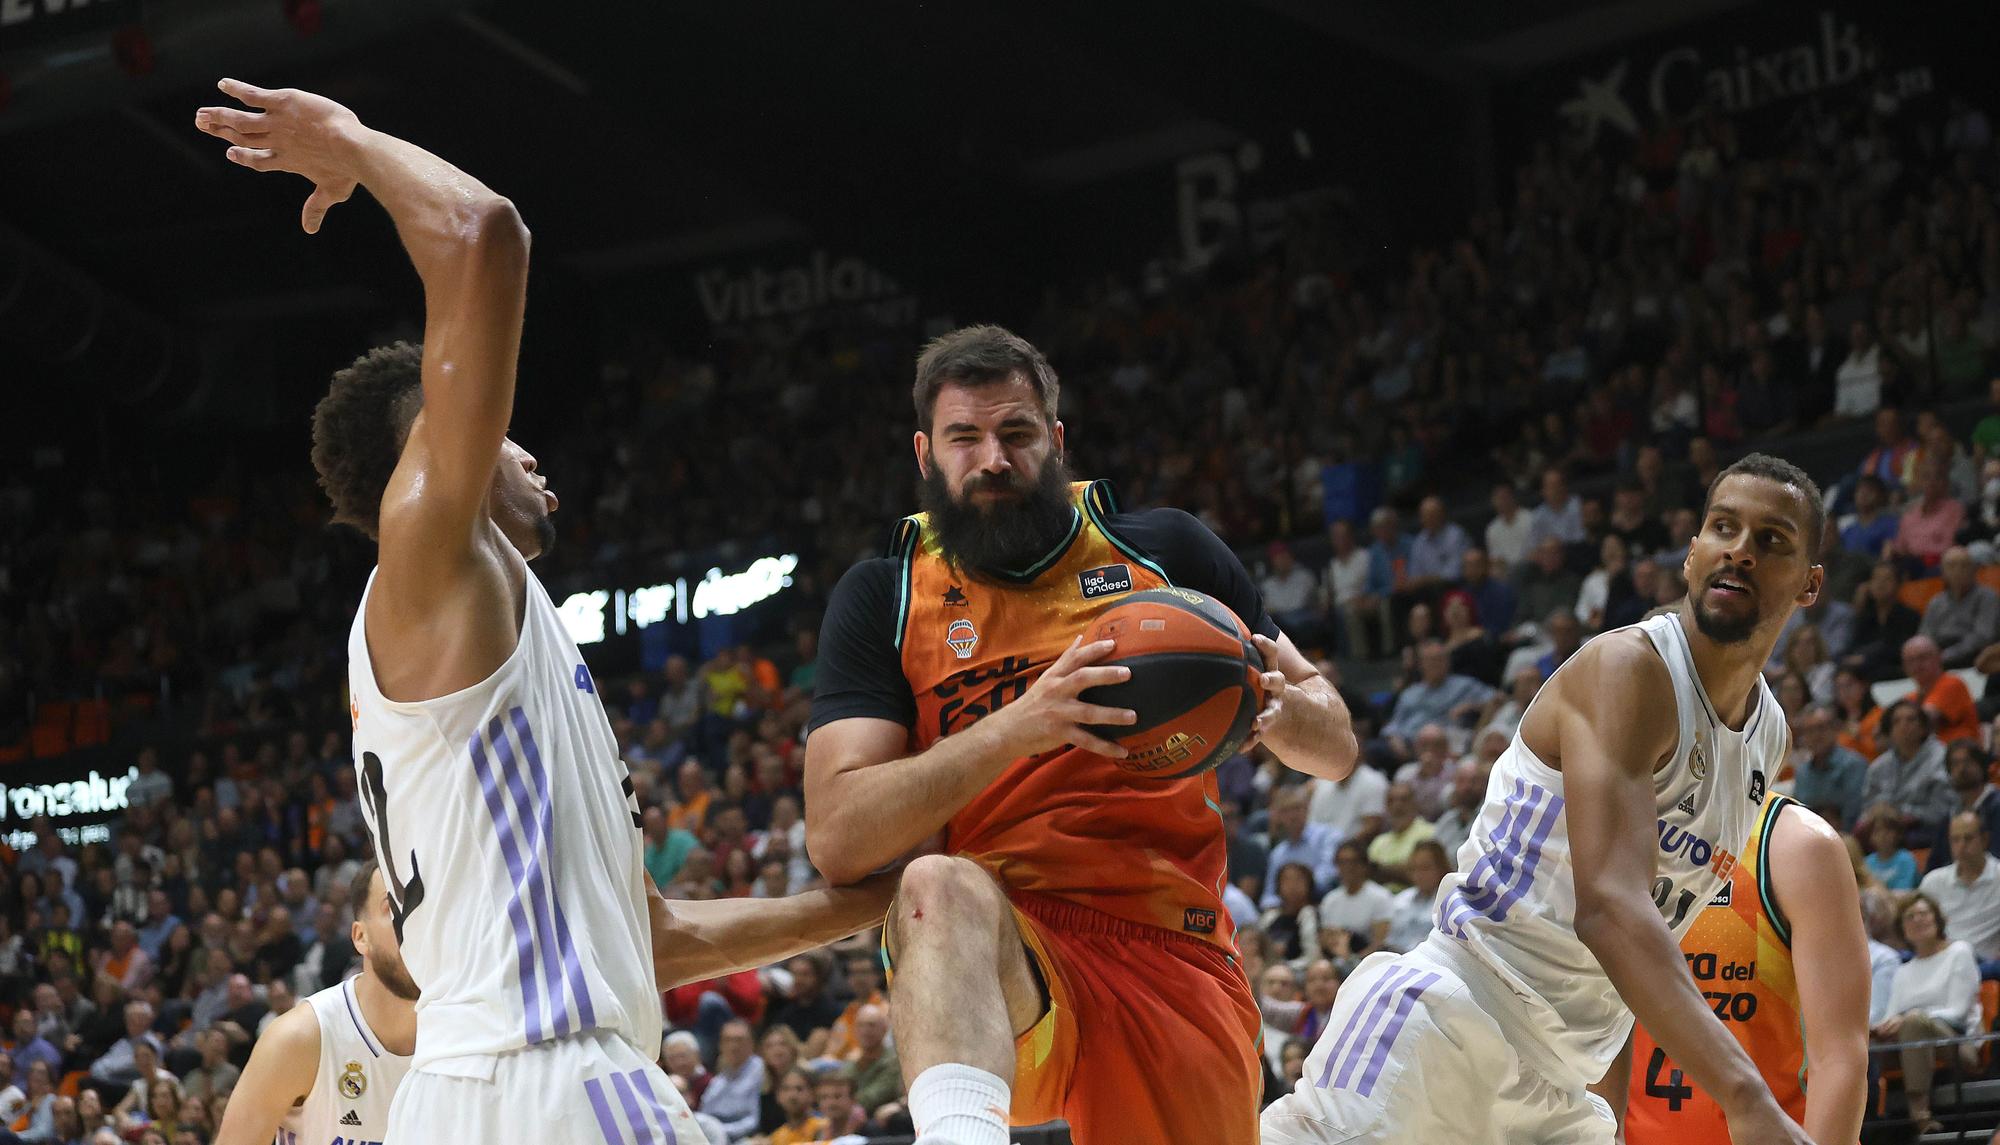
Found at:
[1166, 1043]
[592, 1089]
[973, 921]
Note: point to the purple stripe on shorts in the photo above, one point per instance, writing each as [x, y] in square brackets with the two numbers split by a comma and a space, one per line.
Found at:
[1411, 993]
[586, 1014]
[665, 1117]
[531, 879]
[642, 1130]
[607, 1122]
[1534, 858]
[1376, 1014]
[1353, 1019]
[524, 943]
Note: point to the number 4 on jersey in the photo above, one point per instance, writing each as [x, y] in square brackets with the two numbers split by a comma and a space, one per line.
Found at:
[1675, 1090]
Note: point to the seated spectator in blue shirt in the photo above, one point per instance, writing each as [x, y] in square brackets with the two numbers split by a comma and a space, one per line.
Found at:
[1560, 515]
[1437, 551]
[1295, 839]
[1889, 860]
[1438, 697]
[1492, 598]
[1388, 554]
[1872, 525]
[1831, 778]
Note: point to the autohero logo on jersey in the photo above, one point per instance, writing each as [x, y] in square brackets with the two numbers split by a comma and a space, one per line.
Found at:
[1699, 852]
[1105, 580]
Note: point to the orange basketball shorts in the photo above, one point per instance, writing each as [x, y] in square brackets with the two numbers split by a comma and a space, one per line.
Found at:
[1149, 1036]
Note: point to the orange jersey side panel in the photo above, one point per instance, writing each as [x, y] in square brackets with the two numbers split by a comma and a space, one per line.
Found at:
[1741, 958]
[1070, 824]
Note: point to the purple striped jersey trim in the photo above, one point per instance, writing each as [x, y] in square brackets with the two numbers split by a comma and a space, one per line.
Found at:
[660, 1112]
[530, 878]
[1453, 909]
[1347, 1032]
[571, 969]
[347, 996]
[642, 1129]
[517, 916]
[1505, 873]
[1383, 1044]
[1371, 1026]
[1533, 860]
[607, 1122]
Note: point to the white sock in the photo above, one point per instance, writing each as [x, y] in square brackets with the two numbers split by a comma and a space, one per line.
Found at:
[955, 1104]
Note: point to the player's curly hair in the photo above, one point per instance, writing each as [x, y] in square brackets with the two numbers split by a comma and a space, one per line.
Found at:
[360, 426]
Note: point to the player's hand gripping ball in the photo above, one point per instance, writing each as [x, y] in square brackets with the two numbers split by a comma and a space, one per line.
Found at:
[1196, 682]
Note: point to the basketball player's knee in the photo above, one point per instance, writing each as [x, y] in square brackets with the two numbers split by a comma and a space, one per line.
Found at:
[943, 891]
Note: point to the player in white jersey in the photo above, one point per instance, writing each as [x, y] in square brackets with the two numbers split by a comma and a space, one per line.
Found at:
[1612, 818]
[502, 816]
[325, 1071]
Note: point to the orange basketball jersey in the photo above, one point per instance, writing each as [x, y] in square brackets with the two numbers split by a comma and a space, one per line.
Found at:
[1740, 953]
[1069, 824]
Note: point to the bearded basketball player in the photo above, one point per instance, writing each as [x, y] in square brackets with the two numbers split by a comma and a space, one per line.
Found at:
[328, 1069]
[1617, 812]
[502, 816]
[1069, 954]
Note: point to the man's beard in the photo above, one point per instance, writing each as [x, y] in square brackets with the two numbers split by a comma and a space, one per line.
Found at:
[1723, 629]
[395, 978]
[1001, 536]
[545, 535]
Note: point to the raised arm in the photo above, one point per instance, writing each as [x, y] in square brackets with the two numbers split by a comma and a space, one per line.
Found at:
[1608, 731]
[1814, 884]
[697, 940]
[469, 247]
[278, 1076]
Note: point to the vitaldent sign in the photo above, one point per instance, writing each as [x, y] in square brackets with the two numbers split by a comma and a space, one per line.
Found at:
[588, 615]
[1820, 52]
[75, 807]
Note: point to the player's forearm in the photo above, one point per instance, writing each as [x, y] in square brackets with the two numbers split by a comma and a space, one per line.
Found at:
[1837, 1098]
[868, 817]
[1315, 734]
[1644, 964]
[697, 940]
[441, 213]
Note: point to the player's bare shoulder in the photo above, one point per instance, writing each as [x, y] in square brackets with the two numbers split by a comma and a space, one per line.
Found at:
[1618, 688]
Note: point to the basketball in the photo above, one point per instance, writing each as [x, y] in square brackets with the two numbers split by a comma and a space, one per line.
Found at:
[1195, 682]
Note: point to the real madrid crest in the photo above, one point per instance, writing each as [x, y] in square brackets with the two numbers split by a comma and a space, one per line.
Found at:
[1698, 760]
[353, 1083]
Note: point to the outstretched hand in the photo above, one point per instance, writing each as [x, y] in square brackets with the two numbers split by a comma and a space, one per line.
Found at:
[289, 130]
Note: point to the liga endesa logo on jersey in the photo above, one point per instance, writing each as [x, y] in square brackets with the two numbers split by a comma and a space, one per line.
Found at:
[1105, 580]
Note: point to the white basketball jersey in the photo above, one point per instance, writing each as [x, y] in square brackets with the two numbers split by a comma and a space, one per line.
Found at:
[508, 834]
[1512, 909]
[357, 1078]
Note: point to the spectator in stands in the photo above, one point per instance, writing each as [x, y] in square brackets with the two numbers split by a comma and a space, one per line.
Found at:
[152, 785]
[1438, 697]
[117, 1066]
[878, 1078]
[1354, 915]
[1468, 795]
[1293, 923]
[1295, 838]
[1968, 891]
[1473, 650]
[1893, 866]
[1493, 602]
[834, 1089]
[1806, 660]
[1507, 533]
[1610, 578]
[216, 1074]
[1323, 977]
[666, 847]
[1858, 381]
[1290, 594]
[1559, 517]
[1349, 808]
[1546, 584]
[1280, 1006]
[1411, 911]
[1353, 600]
[1830, 779]
[1966, 763]
[806, 1008]
[1642, 533]
[1910, 775]
[1931, 521]
[1965, 617]
[1888, 464]
[1429, 775]
[680, 1056]
[1389, 851]
[1878, 916]
[1882, 624]
[1933, 995]
[1437, 550]
[802, 1125]
[733, 1092]
[864, 983]
[1945, 698]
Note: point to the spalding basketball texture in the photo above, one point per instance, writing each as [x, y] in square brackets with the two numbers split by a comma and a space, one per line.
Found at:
[1195, 685]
